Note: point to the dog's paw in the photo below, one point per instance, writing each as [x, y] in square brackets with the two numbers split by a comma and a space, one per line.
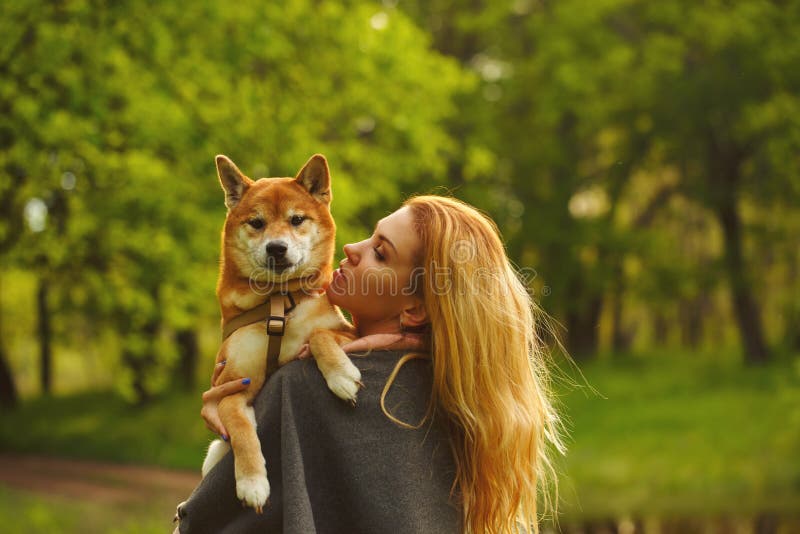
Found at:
[345, 382]
[253, 492]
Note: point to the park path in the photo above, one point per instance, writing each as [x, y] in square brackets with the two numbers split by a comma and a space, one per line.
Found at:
[98, 481]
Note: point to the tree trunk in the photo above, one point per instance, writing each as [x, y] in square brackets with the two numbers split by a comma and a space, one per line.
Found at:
[617, 332]
[8, 390]
[723, 179]
[187, 363]
[744, 305]
[582, 323]
[620, 336]
[138, 366]
[690, 316]
[791, 334]
[660, 328]
[143, 365]
[45, 338]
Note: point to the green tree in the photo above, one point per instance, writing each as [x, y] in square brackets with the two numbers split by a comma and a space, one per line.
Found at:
[132, 101]
[724, 99]
[576, 98]
[548, 142]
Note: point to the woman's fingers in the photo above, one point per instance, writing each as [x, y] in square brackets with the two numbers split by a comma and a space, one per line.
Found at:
[211, 416]
[216, 393]
[211, 398]
[303, 353]
[217, 371]
[234, 386]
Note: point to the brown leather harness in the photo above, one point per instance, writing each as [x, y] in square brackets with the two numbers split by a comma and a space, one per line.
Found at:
[275, 322]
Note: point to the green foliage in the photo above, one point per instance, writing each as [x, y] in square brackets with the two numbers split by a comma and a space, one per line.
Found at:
[592, 121]
[606, 139]
[113, 114]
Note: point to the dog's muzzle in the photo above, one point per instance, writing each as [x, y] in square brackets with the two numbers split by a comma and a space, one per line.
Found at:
[276, 256]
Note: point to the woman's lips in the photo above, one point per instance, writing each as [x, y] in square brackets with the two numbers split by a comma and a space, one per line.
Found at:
[337, 274]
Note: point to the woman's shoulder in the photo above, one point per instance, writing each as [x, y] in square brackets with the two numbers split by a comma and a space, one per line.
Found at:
[375, 364]
[300, 386]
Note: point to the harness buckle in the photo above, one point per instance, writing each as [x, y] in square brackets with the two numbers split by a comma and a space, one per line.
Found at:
[276, 325]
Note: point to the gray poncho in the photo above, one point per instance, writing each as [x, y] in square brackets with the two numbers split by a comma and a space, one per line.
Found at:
[338, 469]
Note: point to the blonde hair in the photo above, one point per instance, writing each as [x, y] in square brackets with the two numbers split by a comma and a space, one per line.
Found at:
[490, 379]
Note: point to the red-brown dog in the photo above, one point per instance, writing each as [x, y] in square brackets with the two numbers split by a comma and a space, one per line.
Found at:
[277, 249]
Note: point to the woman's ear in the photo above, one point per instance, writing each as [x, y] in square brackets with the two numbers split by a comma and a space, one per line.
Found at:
[414, 313]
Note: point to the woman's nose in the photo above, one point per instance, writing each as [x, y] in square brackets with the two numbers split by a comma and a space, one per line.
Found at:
[350, 252]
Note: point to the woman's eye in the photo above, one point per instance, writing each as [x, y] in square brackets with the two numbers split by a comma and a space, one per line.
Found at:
[256, 223]
[297, 220]
[378, 254]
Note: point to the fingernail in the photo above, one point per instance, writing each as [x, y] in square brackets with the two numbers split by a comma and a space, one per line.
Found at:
[224, 437]
[245, 381]
[223, 362]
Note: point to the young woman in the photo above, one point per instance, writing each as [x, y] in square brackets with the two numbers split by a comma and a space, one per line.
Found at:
[452, 437]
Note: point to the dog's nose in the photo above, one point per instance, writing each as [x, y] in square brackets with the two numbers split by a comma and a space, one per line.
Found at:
[276, 249]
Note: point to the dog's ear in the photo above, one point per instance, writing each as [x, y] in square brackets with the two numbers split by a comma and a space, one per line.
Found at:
[316, 178]
[233, 182]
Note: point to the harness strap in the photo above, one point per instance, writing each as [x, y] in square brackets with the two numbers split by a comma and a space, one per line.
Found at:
[273, 313]
[276, 326]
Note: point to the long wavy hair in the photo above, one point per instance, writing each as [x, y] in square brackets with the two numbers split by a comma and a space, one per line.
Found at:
[490, 377]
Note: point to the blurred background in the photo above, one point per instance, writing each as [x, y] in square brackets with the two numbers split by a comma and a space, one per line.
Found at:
[642, 160]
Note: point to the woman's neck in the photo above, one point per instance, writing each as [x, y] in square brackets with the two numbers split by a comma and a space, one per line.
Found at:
[390, 325]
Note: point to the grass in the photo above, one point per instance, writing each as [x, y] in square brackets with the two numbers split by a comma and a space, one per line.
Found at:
[680, 436]
[668, 436]
[102, 426]
[25, 513]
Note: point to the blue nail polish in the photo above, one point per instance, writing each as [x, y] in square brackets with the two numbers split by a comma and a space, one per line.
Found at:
[246, 381]
[224, 437]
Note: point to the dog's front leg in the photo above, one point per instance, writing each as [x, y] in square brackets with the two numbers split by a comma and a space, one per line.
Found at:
[343, 378]
[252, 486]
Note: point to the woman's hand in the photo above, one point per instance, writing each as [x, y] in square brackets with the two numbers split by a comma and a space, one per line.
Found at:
[399, 341]
[211, 398]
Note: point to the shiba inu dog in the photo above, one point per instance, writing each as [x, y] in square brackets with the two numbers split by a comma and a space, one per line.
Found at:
[277, 250]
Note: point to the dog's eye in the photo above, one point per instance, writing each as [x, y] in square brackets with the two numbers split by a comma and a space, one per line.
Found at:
[256, 223]
[297, 220]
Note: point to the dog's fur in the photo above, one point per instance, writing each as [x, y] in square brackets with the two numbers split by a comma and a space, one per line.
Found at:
[262, 214]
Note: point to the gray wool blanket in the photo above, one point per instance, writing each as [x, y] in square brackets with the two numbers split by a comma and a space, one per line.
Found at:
[338, 469]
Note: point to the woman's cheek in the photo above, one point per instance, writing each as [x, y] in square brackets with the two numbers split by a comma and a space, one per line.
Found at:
[381, 286]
